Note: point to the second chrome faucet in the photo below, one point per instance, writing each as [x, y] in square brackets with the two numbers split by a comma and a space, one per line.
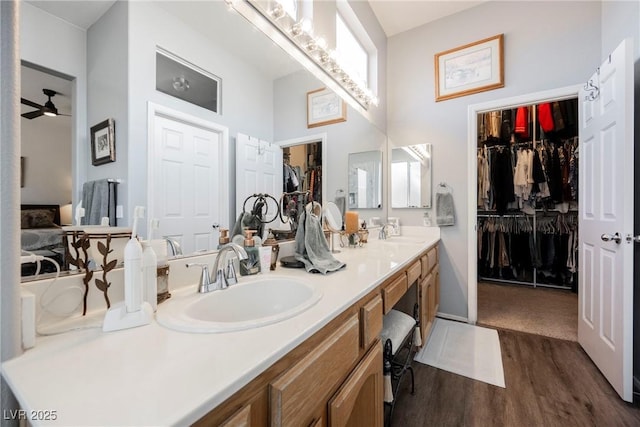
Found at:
[221, 276]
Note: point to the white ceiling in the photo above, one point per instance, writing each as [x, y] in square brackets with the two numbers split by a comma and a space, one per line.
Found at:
[395, 16]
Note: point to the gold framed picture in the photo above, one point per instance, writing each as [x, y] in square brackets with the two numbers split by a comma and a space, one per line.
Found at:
[472, 68]
[325, 107]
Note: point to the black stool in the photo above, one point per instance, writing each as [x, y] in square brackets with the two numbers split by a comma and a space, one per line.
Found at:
[397, 336]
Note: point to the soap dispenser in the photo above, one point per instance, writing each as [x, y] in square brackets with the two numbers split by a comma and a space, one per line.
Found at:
[251, 265]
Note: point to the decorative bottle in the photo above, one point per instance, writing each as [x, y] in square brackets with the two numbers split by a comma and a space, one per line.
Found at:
[251, 265]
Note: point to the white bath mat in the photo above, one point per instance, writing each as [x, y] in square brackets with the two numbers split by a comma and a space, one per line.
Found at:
[464, 349]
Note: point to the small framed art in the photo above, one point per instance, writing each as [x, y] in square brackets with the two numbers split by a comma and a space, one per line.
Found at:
[103, 142]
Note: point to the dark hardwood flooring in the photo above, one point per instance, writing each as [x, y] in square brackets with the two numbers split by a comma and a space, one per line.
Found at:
[549, 382]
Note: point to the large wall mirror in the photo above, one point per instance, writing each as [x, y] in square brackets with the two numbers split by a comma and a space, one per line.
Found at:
[264, 94]
[365, 180]
[411, 176]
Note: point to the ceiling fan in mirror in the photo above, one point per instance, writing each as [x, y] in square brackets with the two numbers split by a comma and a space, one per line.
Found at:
[48, 109]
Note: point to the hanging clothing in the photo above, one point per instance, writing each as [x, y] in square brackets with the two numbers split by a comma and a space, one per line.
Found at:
[545, 117]
[502, 178]
[522, 122]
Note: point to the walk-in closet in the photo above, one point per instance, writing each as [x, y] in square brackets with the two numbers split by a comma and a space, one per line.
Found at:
[527, 215]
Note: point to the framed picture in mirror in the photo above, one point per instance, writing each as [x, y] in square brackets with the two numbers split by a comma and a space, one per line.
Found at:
[324, 107]
[103, 142]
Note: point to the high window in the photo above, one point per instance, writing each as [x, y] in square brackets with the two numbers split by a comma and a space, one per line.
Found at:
[352, 56]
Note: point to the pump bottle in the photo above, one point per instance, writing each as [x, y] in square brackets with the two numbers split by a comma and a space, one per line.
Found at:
[251, 265]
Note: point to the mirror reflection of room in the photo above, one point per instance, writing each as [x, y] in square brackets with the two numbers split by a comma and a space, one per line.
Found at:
[411, 176]
[365, 180]
[302, 182]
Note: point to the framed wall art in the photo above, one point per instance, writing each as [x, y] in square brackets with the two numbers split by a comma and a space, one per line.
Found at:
[103, 142]
[472, 68]
[324, 107]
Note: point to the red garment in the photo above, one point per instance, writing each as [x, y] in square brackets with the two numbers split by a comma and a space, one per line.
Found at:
[522, 122]
[545, 117]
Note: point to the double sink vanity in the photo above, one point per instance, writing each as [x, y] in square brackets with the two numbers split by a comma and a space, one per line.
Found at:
[281, 348]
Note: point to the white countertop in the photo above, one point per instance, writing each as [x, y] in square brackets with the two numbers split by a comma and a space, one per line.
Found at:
[152, 375]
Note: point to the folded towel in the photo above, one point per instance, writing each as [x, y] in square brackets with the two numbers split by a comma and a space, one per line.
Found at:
[311, 246]
[444, 209]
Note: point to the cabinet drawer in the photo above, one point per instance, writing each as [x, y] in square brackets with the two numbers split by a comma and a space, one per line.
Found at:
[413, 272]
[394, 291]
[370, 321]
[296, 394]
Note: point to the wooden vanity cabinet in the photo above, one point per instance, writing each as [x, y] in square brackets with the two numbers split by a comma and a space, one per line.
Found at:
[296, 395]
[334, 378]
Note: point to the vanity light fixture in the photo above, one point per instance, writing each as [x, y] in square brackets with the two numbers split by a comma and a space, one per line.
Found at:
[314, 47]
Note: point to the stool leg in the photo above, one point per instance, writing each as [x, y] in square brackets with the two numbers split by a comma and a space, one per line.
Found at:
[410, 369]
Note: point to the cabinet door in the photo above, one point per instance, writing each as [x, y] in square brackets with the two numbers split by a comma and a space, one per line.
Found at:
[436, 286]
[297, 394]
[359, 401]
[426, 306]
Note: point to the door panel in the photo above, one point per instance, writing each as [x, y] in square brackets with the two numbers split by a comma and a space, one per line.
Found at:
[258, 170]
[605, 318]
[186, 183]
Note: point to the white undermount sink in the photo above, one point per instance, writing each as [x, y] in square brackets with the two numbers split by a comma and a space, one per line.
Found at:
[251, 303]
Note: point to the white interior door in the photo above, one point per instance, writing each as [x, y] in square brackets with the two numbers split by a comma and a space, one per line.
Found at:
[605, 314]
[258, 170]
[186, 197]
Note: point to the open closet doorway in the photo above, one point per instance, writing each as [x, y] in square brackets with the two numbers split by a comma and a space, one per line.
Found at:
[527, 218]
[511, 282]
[303, 165]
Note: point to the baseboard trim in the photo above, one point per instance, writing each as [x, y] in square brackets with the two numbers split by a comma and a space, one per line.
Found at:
[452, 317]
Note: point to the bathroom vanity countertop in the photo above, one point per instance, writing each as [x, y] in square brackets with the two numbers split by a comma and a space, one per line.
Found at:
[152, 375]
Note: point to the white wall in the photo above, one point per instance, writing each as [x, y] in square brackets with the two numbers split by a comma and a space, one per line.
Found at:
[107, 80]
[55, 44]
[547, 45]
[46, 146]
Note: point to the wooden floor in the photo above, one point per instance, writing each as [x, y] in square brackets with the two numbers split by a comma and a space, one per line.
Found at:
[549, 382]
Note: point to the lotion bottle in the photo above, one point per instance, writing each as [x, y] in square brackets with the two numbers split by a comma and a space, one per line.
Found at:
[150, 274]
[251, 265]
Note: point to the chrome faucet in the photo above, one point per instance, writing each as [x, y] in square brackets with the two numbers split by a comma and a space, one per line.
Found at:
[223, 277]
[175, 247]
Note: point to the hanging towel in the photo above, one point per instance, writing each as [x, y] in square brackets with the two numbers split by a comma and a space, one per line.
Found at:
[445, 213]
[99, 200]
[311, 246]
